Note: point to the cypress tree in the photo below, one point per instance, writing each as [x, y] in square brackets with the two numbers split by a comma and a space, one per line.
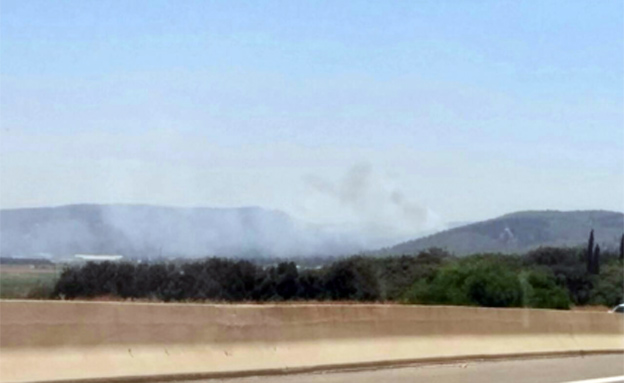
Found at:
[597, 260]
[590, 252]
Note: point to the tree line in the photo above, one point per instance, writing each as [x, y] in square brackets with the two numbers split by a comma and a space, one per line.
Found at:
[548, 277]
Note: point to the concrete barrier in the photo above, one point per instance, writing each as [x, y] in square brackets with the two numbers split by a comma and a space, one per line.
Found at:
[57, 341]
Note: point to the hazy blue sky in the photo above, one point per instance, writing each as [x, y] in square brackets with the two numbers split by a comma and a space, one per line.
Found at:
[469, 109]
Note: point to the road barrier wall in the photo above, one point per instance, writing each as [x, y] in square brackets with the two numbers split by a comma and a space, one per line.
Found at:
[54, 340]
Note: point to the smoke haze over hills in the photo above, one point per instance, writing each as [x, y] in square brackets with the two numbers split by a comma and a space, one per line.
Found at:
[156, 231]
[153, 231]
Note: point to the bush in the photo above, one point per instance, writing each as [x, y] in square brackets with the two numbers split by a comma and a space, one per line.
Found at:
[352, 279]
[568, 267]
[540, 290]
[476, 281]
[609, 285]
[397, 274]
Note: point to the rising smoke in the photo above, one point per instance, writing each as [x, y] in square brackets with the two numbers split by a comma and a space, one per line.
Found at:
[360, 211]
[367, 206]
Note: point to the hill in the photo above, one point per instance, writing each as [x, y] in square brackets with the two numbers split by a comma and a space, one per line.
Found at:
[154, 231]
[522, 231]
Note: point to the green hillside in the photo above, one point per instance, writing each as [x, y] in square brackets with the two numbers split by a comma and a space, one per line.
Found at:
[522, 231]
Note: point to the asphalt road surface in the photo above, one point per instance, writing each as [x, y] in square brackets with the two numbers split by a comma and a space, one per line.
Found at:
[588, 369]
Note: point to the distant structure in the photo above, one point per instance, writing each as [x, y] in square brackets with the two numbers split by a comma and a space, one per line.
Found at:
[98, 257]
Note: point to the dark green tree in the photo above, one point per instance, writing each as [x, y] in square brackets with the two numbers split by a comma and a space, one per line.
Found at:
[287, 280]
[590, 252]
[352, 279]
[568, 267]
[596, 269]
[311, 285]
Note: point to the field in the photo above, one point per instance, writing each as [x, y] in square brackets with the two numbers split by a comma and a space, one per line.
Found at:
[26, 281]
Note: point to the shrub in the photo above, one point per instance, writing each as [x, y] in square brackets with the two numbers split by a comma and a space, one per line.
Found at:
[540, 290]
[479, 281]
[352, 279]
[609, 285]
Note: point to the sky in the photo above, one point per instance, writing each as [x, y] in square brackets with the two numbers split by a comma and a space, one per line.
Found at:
[335, 112]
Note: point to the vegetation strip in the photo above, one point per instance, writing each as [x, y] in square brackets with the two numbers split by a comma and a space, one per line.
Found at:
[544, 278]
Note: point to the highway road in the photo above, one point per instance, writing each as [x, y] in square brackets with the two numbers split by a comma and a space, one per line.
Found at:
[589, 369]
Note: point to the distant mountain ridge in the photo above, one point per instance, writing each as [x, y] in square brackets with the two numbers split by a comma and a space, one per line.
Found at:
[153, 231]
[158, 231]
[522, 231]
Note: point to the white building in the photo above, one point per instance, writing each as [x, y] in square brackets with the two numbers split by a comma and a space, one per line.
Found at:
[99, 257]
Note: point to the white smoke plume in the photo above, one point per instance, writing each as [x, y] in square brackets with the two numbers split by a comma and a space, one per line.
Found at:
[365, 204]
[359, 211]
